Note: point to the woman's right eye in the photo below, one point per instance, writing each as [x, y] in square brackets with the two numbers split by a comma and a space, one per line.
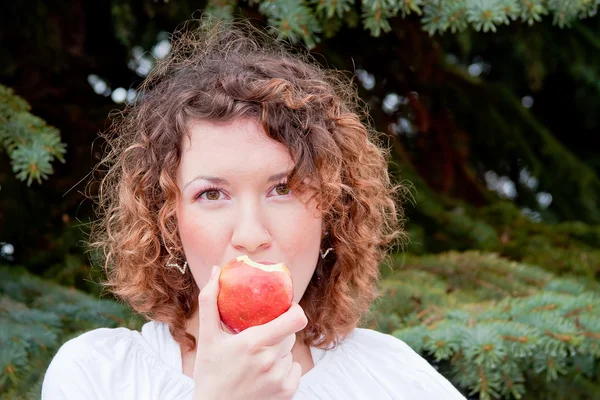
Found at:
[210, 194]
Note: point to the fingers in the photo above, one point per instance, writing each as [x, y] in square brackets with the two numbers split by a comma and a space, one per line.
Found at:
[291, 383]
[273, 332]
[286, 373]
[208, 313]
[285, 346]
[284, 365]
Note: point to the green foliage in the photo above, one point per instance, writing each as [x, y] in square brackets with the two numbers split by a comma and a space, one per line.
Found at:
[292, 18]
[496, 328]
[69, 262]
[36, 318]
[31, 144]
[439, 224]
[573, 183]
[564, 248]
[301, 20]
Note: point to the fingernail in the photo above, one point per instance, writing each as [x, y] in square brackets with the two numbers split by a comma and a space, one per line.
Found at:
[213, 273]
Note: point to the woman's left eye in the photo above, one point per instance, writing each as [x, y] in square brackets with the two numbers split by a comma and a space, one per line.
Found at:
[282, 189]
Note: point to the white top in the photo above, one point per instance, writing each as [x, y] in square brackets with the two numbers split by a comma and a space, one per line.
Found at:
[120, 364]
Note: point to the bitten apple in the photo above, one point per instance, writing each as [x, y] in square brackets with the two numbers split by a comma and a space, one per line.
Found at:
[253, 293]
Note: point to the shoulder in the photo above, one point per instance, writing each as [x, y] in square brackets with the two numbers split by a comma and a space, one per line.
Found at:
[386, 365]
[99, 363]
[375, 343]
[73, 366]
[94, 345]
[393, 357]
[377, 348]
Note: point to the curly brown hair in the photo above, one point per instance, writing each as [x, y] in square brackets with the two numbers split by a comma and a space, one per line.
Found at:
[220, 72]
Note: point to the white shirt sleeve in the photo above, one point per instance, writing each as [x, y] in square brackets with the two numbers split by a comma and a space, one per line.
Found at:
[114, 364]
[373, 365]
[66, 377]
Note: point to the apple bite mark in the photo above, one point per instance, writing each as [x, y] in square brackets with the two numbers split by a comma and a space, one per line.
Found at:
[252, 293]
[264, 265]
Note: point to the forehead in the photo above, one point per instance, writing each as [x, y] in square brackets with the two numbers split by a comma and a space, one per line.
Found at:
[238, 146]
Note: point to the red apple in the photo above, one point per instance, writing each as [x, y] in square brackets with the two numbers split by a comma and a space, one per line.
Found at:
[253, 293]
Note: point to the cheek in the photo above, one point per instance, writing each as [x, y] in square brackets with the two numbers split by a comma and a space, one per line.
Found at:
[203, 241]
[300, 239]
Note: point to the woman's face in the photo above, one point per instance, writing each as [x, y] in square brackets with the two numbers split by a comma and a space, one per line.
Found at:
[235, 201]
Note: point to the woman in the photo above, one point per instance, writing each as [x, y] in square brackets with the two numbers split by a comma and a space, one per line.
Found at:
[239, 147]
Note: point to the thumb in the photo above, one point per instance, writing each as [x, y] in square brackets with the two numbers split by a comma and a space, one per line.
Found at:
[209, 320]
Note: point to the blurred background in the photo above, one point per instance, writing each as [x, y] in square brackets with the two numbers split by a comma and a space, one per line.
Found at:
[491, 109]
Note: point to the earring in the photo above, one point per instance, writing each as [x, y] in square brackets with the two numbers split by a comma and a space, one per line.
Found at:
[181, 269]
[324, 254]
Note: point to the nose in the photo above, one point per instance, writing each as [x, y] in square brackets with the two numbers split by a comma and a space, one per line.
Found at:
[250, 233]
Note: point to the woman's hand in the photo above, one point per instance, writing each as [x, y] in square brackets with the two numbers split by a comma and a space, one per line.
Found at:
[254, 364]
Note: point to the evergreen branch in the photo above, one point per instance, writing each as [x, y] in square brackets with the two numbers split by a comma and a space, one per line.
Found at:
[376, 14]
[440, 16]
[296, 19]
[532, 11]
[293, 19]
[487, 14]
[31, 144]
[408, 7]
[329, 8]
[493, 344]
[36, 318]
[567, 11]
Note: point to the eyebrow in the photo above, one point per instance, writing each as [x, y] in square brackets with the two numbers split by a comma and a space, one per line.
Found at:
[221, 181]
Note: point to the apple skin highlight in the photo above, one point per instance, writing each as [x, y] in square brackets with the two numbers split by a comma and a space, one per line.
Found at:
[252, 293]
